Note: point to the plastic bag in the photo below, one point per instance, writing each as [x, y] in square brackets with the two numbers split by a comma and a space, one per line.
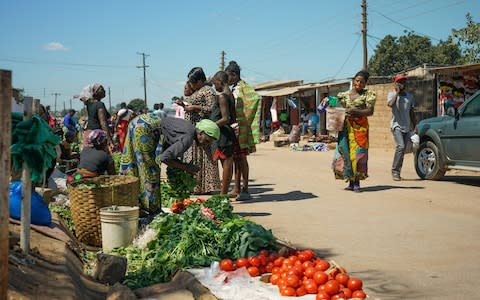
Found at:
[40, 214]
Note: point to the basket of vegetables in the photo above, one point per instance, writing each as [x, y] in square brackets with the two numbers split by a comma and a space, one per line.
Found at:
[89, 195]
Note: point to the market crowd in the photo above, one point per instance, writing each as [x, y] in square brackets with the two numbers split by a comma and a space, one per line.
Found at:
[217, 120]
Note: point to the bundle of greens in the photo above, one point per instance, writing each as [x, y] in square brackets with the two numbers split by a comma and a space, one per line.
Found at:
[65, 213]
[179, 186]
[203, 233]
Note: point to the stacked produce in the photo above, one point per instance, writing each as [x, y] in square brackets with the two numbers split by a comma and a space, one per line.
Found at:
[297, 273]
[202, 233]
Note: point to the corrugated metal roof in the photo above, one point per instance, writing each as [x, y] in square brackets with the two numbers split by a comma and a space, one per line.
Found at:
[277, 83]
[279, 92]
[449, 69]
[294, 89]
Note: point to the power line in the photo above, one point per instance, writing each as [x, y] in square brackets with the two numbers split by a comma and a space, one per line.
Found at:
[348, 57]
[26, 61]
[405, 26]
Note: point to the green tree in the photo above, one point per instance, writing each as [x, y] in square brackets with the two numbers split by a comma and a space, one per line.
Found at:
[469, 40]
[137, 104]
[394, 55]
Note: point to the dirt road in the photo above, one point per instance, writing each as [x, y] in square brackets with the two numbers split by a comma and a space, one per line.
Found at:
[411, 239]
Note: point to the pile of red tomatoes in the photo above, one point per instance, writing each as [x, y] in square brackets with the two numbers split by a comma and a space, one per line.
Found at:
[299, 273]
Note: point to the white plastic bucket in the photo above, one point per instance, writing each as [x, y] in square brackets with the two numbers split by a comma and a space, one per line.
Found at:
[119, 227]
[335, 118]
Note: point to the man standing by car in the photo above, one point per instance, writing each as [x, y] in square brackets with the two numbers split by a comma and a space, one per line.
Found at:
[403, 121]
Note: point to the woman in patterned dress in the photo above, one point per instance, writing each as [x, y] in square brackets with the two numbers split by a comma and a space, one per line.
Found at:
[351, 155]
[199, 107]
[151, 141]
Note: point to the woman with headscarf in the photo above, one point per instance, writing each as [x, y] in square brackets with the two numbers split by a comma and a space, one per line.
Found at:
[151, 141]
[199, 106]
[124, 115]
[351, 155]
[95, 160]
[97, 113]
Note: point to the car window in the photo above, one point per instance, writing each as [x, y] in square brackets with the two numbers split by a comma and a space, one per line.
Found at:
[473, 107]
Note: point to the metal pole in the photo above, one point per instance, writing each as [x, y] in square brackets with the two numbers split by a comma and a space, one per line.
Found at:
[144, 77]
[109, 100]
[5, 140]
[30, 107]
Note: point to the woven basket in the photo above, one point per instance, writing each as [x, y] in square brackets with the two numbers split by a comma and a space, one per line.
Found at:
[85, 203]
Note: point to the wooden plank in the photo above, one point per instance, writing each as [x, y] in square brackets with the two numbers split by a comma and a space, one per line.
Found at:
[5, 140]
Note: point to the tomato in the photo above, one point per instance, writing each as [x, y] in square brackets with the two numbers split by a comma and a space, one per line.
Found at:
[254, 261]
[338, 296]
[274, 279]
[293, 271]
[332, 273]
[309, 254]
[354, 284]
[342, 278]
[320, 277]
[359, 294]
[242, 262]
[276, 270]
[293, 280]
[288, 291]
[298, 269]
[308, 264]
[261, 269]
[226, 265]
[322, 265]
[302, 257]
[269, 267]
[332, 287]
[347, 292]
[263, 259]
[272, 257]
[253, 271]
[301, 291]
[309, 272]
[310, 286]
[322, 296]
[263, 252]
[292, 259]
[279, 261]
[282, 282]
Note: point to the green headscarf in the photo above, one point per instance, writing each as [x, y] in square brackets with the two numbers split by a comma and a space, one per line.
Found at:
[209, 127]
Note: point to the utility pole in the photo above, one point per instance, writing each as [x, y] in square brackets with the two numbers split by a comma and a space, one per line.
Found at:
[5, 143]
[56, 94]
[364, 34]
[222, 61]
[144, 75]
[109, 100]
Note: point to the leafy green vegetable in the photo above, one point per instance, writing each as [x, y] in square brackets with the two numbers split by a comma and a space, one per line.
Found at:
[65, 213]
[191, 239]
[179, 186]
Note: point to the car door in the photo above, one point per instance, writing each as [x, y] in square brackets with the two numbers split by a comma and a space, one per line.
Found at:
[461, 137]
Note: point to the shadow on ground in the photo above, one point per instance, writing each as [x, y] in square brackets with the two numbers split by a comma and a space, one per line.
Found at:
[377, 188]
[253, 214]
[290, 196]
[466, 180]
[384, 287]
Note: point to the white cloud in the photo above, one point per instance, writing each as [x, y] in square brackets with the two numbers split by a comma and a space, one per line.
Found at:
[55, 46]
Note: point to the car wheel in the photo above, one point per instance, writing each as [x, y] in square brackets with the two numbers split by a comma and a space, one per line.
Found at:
[428, 163]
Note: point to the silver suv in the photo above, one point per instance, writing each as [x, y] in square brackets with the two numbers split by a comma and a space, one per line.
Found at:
[450, 142]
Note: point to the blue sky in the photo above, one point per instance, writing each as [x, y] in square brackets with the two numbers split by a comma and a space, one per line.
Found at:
[61, 46]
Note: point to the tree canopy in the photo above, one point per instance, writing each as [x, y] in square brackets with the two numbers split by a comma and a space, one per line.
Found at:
[394, 55]
[469, 40]
[137, 104]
